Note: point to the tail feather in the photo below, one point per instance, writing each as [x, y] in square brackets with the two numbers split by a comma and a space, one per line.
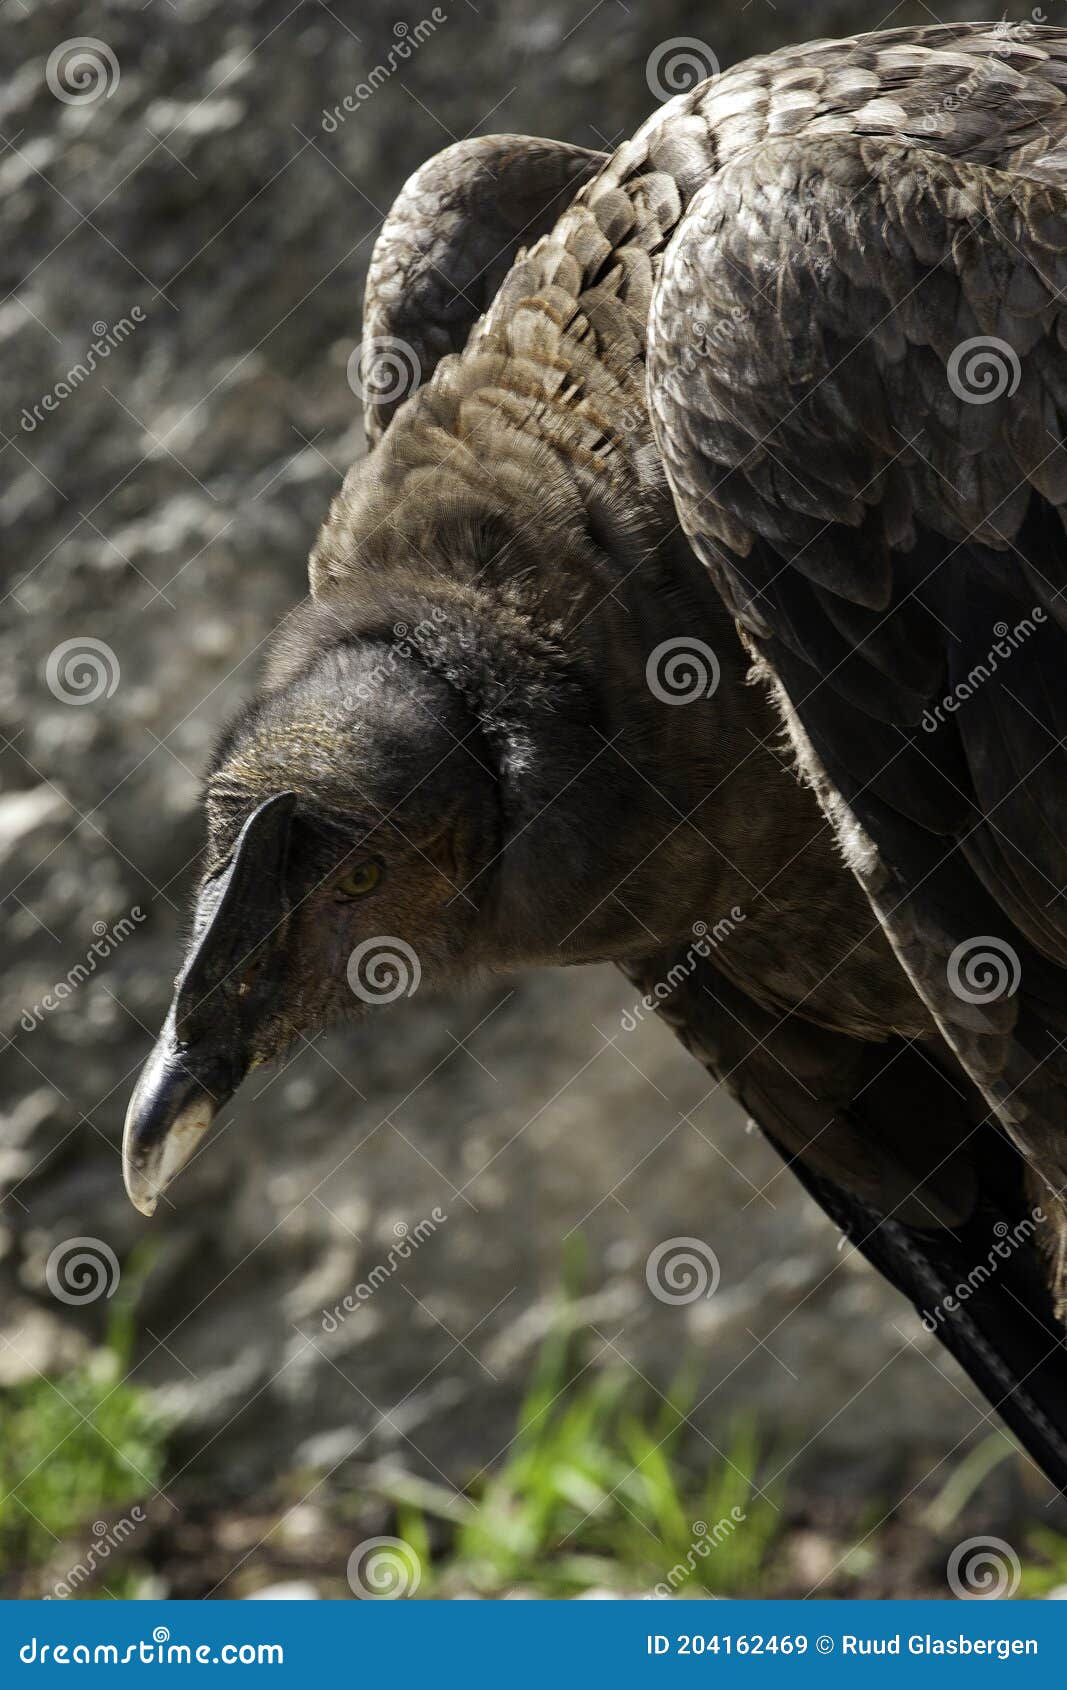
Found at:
[983, 1289]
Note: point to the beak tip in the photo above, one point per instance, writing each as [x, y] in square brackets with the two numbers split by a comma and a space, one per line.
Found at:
[143, 1201]
[168, 1116]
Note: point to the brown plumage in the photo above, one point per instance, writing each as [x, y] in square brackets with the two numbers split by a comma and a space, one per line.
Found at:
[807, 241]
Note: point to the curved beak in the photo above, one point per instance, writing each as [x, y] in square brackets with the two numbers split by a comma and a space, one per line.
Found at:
[171, 1109]
[208, 1042]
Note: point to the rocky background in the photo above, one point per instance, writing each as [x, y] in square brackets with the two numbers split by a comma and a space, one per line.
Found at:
[198, 214]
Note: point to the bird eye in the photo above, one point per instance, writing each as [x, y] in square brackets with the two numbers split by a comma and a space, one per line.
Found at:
[361, 880]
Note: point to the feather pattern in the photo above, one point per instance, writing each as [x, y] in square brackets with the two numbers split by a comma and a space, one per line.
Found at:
[754, 320]
[882, 438]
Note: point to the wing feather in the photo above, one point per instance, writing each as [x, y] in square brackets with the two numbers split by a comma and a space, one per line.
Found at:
[873, 466]
[451, 236]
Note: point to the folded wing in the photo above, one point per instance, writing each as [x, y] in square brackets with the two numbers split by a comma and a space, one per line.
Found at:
[858, 380]
[450, 238]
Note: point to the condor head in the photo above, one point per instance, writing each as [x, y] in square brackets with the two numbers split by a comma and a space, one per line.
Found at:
[352, 826]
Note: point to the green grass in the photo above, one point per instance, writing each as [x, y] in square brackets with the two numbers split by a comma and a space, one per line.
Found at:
[1043, 1559]
[75, 1449]
[593, 1491]
[1045, 1566]
[604, 1484]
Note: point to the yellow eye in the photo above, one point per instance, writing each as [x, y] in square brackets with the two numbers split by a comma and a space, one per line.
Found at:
[361, 880]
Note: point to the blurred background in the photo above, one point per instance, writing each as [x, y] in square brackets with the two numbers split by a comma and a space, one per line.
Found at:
[188, 1407]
